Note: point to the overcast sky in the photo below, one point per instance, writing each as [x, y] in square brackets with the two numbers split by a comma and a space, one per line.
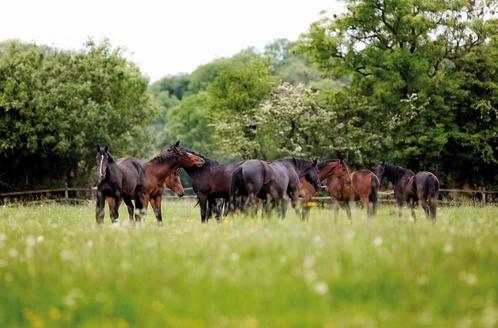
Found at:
[162, 37]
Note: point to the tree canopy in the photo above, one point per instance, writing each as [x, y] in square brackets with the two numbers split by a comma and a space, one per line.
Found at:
[56, 106]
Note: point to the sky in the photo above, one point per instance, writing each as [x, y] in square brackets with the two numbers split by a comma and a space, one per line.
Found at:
[162, 37]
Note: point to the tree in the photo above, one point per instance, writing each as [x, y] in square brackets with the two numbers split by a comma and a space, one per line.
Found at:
[56, 106]
[407, 58]
[233, 99]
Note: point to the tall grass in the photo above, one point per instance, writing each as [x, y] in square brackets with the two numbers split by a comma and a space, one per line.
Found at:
[58, 268]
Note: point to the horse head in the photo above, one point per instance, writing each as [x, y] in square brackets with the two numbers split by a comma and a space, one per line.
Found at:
[174, 183]
[381, 170]
[185, 158]
[311, 173]
[342, 172]
[103, 159]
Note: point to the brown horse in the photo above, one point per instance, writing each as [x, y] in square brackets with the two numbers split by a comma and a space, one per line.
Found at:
[364, 186]
[160, 167]
[409, 187]
[327, 170]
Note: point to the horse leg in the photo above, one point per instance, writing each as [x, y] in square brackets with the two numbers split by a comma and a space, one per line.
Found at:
[347, 208]
[373, 208]
[335, 207]
[425, 206]
[156, 206]
[115, 210]
[413, 204]
[203, 204]
[99, 208]
[432, 208]
[366, 205]
[140, 204]
[219, 209]
[295, 203]
[283, 207]
[130, 207]
[400, 209]
[145, 202]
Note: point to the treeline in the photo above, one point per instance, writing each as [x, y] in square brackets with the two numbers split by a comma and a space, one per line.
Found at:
[56, 106]
[412, 82]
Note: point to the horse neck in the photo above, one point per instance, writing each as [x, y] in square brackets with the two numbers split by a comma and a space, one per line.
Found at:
[295, 164]
[161, 169]
[195, 171]
[395, 173]
[113, 170]
[327, 170]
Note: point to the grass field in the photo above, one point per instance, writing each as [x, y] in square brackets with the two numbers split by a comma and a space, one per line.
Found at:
[58, 269]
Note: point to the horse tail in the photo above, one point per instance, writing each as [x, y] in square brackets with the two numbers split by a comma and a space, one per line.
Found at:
[374, 183]
[431, 189]
[236, 186]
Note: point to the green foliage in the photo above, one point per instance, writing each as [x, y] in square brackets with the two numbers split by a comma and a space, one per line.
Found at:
[190, 122]
[59, 270]
[56, 106]
[233, 98]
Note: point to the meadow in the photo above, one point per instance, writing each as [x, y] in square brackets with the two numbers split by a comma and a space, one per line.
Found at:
[59, 269]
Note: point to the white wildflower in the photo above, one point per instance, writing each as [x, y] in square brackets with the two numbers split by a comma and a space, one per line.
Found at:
[321, 287]
[377, 241]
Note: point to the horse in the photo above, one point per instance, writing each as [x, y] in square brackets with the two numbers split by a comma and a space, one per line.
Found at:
[275, 182]
[119, 181]
[364, 186]
[160, 167]
[211, 184]
[409, 187]
[174, 183]
[329, 170]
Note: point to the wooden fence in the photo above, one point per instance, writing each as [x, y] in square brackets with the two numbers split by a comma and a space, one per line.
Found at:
[75, 195]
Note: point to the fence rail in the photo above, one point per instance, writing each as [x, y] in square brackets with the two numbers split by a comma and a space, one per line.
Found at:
[90, 192]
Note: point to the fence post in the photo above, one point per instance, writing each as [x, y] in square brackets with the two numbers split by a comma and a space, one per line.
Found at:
[483, 199]
[66, 193]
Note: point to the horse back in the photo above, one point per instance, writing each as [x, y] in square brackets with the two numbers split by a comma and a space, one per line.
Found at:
[426, 184]
[364, 182]
[132, 173]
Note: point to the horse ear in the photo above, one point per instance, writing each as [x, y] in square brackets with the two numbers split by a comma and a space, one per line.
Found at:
[105, 148]
[383, 162]
[177, 143]
[315, 162]
[98, 149]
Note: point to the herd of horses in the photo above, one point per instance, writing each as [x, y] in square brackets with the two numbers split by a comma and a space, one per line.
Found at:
[252, 184]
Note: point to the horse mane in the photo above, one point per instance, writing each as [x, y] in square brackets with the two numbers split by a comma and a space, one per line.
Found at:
[322, 163]
[298, 162]
[110, 159]
[163, 156]
[207, 161]
[397, 171]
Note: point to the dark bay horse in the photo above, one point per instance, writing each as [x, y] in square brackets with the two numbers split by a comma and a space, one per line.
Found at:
[409, 187]
[274, 182]
[329, 170]
[119, 181]
[159, 168]
[211, 184]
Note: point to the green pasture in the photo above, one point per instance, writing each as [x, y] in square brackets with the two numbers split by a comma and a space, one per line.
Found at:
[59, 269]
